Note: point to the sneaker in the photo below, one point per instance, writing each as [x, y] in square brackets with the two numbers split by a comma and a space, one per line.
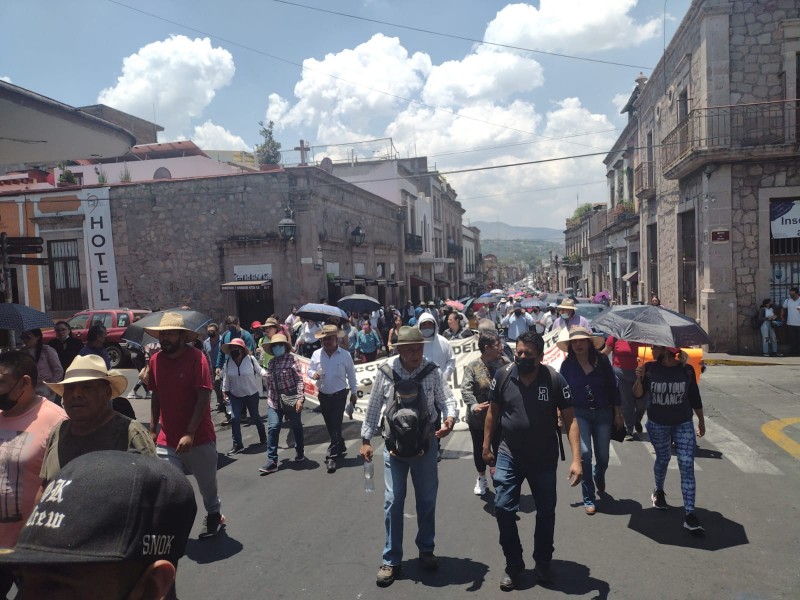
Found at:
[692, 523]
[235, 450]
[638, 427]
[635, 436]
[628, 437]
[542, 572]
[268, 468]
[767, 355]
[510, 577]
[480, 486]
[213, 524]
[387, 574]
[300, 457]
[331, 464]
[429, 561]
[132, 395]
[659, 500]
[262, 441]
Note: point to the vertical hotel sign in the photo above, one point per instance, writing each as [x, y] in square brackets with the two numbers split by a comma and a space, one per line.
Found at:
[99, 244]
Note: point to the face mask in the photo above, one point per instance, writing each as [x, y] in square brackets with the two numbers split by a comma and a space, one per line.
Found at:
[525, 366]
[427, 332]
[518, 312]
[278, 351]
[236, 353]
[6, 403]
[212, 334]
[564, 316]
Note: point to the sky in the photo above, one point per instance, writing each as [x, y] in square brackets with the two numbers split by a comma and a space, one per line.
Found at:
[469, 83]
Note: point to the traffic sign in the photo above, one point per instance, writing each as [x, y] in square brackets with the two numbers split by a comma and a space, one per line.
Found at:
[26, 260]
[24, 250]
[24, 241]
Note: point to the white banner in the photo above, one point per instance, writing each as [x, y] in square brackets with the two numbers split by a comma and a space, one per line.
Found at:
[99, 244]
[785, 219]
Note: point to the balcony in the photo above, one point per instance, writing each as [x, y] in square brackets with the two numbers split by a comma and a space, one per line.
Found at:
[413, 243]
[644, 180]
[454, 250]
[743, 132]
[621, 212]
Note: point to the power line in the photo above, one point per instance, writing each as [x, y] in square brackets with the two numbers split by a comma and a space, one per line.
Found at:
[548, 189]
[461, 37]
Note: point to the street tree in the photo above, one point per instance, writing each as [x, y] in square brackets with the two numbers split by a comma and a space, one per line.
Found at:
[269, 151]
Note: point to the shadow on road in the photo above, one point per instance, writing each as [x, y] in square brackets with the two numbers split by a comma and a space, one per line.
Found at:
[608, 505]
[452, 571]
[571, 578]
[666, 527]
[212, 550]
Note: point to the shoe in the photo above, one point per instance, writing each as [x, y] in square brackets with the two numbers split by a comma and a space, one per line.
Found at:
[590, 509]
[542, 572]
[213, 524]
[600, 485]
[387, 574]
[767, 355]
[638, 427]
[235, 450]
[262, 440]
[510, 577]
[132, 395]
[331, 464]
[692, 523]
[300, 457]
[480, 486]
[634, 437]
[429, 561]
[268, 468]
[659, 500]
[628, 437]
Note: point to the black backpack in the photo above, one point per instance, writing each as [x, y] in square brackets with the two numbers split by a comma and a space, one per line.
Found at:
[406, 420]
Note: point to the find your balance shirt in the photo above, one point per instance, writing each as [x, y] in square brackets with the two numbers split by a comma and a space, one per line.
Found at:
[673, 393]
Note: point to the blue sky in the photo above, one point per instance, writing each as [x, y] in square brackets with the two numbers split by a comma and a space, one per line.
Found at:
[209, 71]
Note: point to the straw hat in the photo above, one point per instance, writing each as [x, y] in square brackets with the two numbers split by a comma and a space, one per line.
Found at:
[270, 323]
[238, 342]
[327, 330]
[407, 336]
[581, 333]
[567, 304]
[90, 368]
[278, 338]
[170, 321]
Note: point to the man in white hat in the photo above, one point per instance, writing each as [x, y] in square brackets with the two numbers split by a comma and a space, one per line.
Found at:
[333, 369]
[568, 318]
[180, 422]
[87, 390]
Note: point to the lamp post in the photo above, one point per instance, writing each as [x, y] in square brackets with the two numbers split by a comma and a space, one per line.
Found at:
[610, 253]
[557, 280]
[287, 228]
[357, 236]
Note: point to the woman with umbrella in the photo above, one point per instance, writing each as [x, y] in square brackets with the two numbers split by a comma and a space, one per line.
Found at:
[596, 400]
[47, 362]
[673, 396]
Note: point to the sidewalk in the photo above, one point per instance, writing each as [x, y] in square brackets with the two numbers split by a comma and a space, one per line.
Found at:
[743, 360]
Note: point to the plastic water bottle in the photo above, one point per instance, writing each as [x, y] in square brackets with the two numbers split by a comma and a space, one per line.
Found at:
[369, 477]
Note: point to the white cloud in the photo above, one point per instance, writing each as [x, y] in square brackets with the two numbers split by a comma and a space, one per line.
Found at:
[620, 100]
[573, 26]
[6, 78]
[176, 79]
[209, 136]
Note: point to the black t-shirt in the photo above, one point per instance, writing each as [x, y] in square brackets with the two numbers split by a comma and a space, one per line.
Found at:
[673, 393]
[528, 417]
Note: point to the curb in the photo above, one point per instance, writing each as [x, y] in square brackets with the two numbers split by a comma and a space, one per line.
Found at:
[733, 362]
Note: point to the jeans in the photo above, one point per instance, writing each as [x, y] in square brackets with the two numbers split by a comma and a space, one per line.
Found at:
[200, 461]
[768, 338]
[793, 337]
[595, 429]
[274, 419]
[425, 475]
[237, 403]
[508, 478]
[661, 437]
[633, 409]
[332, 408]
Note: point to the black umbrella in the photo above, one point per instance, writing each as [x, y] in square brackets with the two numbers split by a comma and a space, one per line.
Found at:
[320, 312]
[136, 336]
[652, 325]
[19, 317]
[359, 303]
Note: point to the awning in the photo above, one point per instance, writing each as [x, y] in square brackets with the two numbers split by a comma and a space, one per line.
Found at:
[441, 282]
[633, 276]
[395, 283]
[246, 285]
[419, 282]
[338, 282]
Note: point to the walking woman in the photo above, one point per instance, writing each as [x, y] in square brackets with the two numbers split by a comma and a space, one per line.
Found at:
[475, 389]
[625, 359]
[241, 385]
[285, 398]
[47, 363]
[596, 400]
[397, 323]
[673, 396]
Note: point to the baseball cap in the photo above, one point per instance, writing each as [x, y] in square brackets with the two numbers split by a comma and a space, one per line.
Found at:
[108, 506]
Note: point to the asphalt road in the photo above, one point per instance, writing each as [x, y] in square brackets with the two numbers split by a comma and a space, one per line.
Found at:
[303, 533]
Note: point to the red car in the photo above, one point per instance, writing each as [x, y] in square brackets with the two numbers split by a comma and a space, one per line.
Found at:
[115, 320]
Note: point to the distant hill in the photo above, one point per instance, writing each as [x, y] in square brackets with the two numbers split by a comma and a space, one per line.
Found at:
[501, 231]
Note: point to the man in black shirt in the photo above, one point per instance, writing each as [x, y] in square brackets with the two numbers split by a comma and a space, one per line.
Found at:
[65, 345]
[525, 401]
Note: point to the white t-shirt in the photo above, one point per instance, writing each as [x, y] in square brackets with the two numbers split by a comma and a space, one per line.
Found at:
[793, 311]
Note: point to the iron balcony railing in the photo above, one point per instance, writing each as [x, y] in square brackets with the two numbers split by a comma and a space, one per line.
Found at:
[731, 128]
[413, 243]
[454, 250]
[644, 179]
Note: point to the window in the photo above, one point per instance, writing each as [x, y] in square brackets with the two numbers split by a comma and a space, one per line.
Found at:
[103, 319]
[79, 322]
[123, 320]
[65, 280]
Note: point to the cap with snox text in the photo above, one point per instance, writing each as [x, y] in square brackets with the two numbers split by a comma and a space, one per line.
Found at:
[108, 506]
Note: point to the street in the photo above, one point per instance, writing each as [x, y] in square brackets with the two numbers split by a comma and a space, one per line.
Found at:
[304, 533]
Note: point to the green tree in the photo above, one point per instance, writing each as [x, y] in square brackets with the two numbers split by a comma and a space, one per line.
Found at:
[582, 210]
[268, 152]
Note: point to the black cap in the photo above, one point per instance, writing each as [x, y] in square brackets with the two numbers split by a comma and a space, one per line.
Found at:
[108, 506]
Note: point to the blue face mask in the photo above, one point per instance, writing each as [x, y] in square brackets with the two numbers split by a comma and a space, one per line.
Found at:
[279, 351]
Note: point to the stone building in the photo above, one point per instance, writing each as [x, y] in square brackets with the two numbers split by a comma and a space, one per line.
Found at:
[470, 277]
[716, 165]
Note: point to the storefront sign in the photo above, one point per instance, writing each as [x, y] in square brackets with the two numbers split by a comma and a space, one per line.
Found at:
[784, 218]
[252, 272]
[99, 244]
[720, 236]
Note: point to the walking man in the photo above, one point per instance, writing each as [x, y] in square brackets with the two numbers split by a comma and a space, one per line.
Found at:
[180, 406]
[525, 399]
[791, 316]
[212, 349]
[424, 470]
[333, 369]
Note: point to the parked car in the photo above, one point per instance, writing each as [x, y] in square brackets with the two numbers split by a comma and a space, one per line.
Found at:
[115, 320]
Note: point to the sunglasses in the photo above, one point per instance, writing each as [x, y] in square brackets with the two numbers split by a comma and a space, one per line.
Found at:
[589, 397]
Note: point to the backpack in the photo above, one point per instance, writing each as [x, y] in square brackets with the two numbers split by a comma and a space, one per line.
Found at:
[406, 421]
